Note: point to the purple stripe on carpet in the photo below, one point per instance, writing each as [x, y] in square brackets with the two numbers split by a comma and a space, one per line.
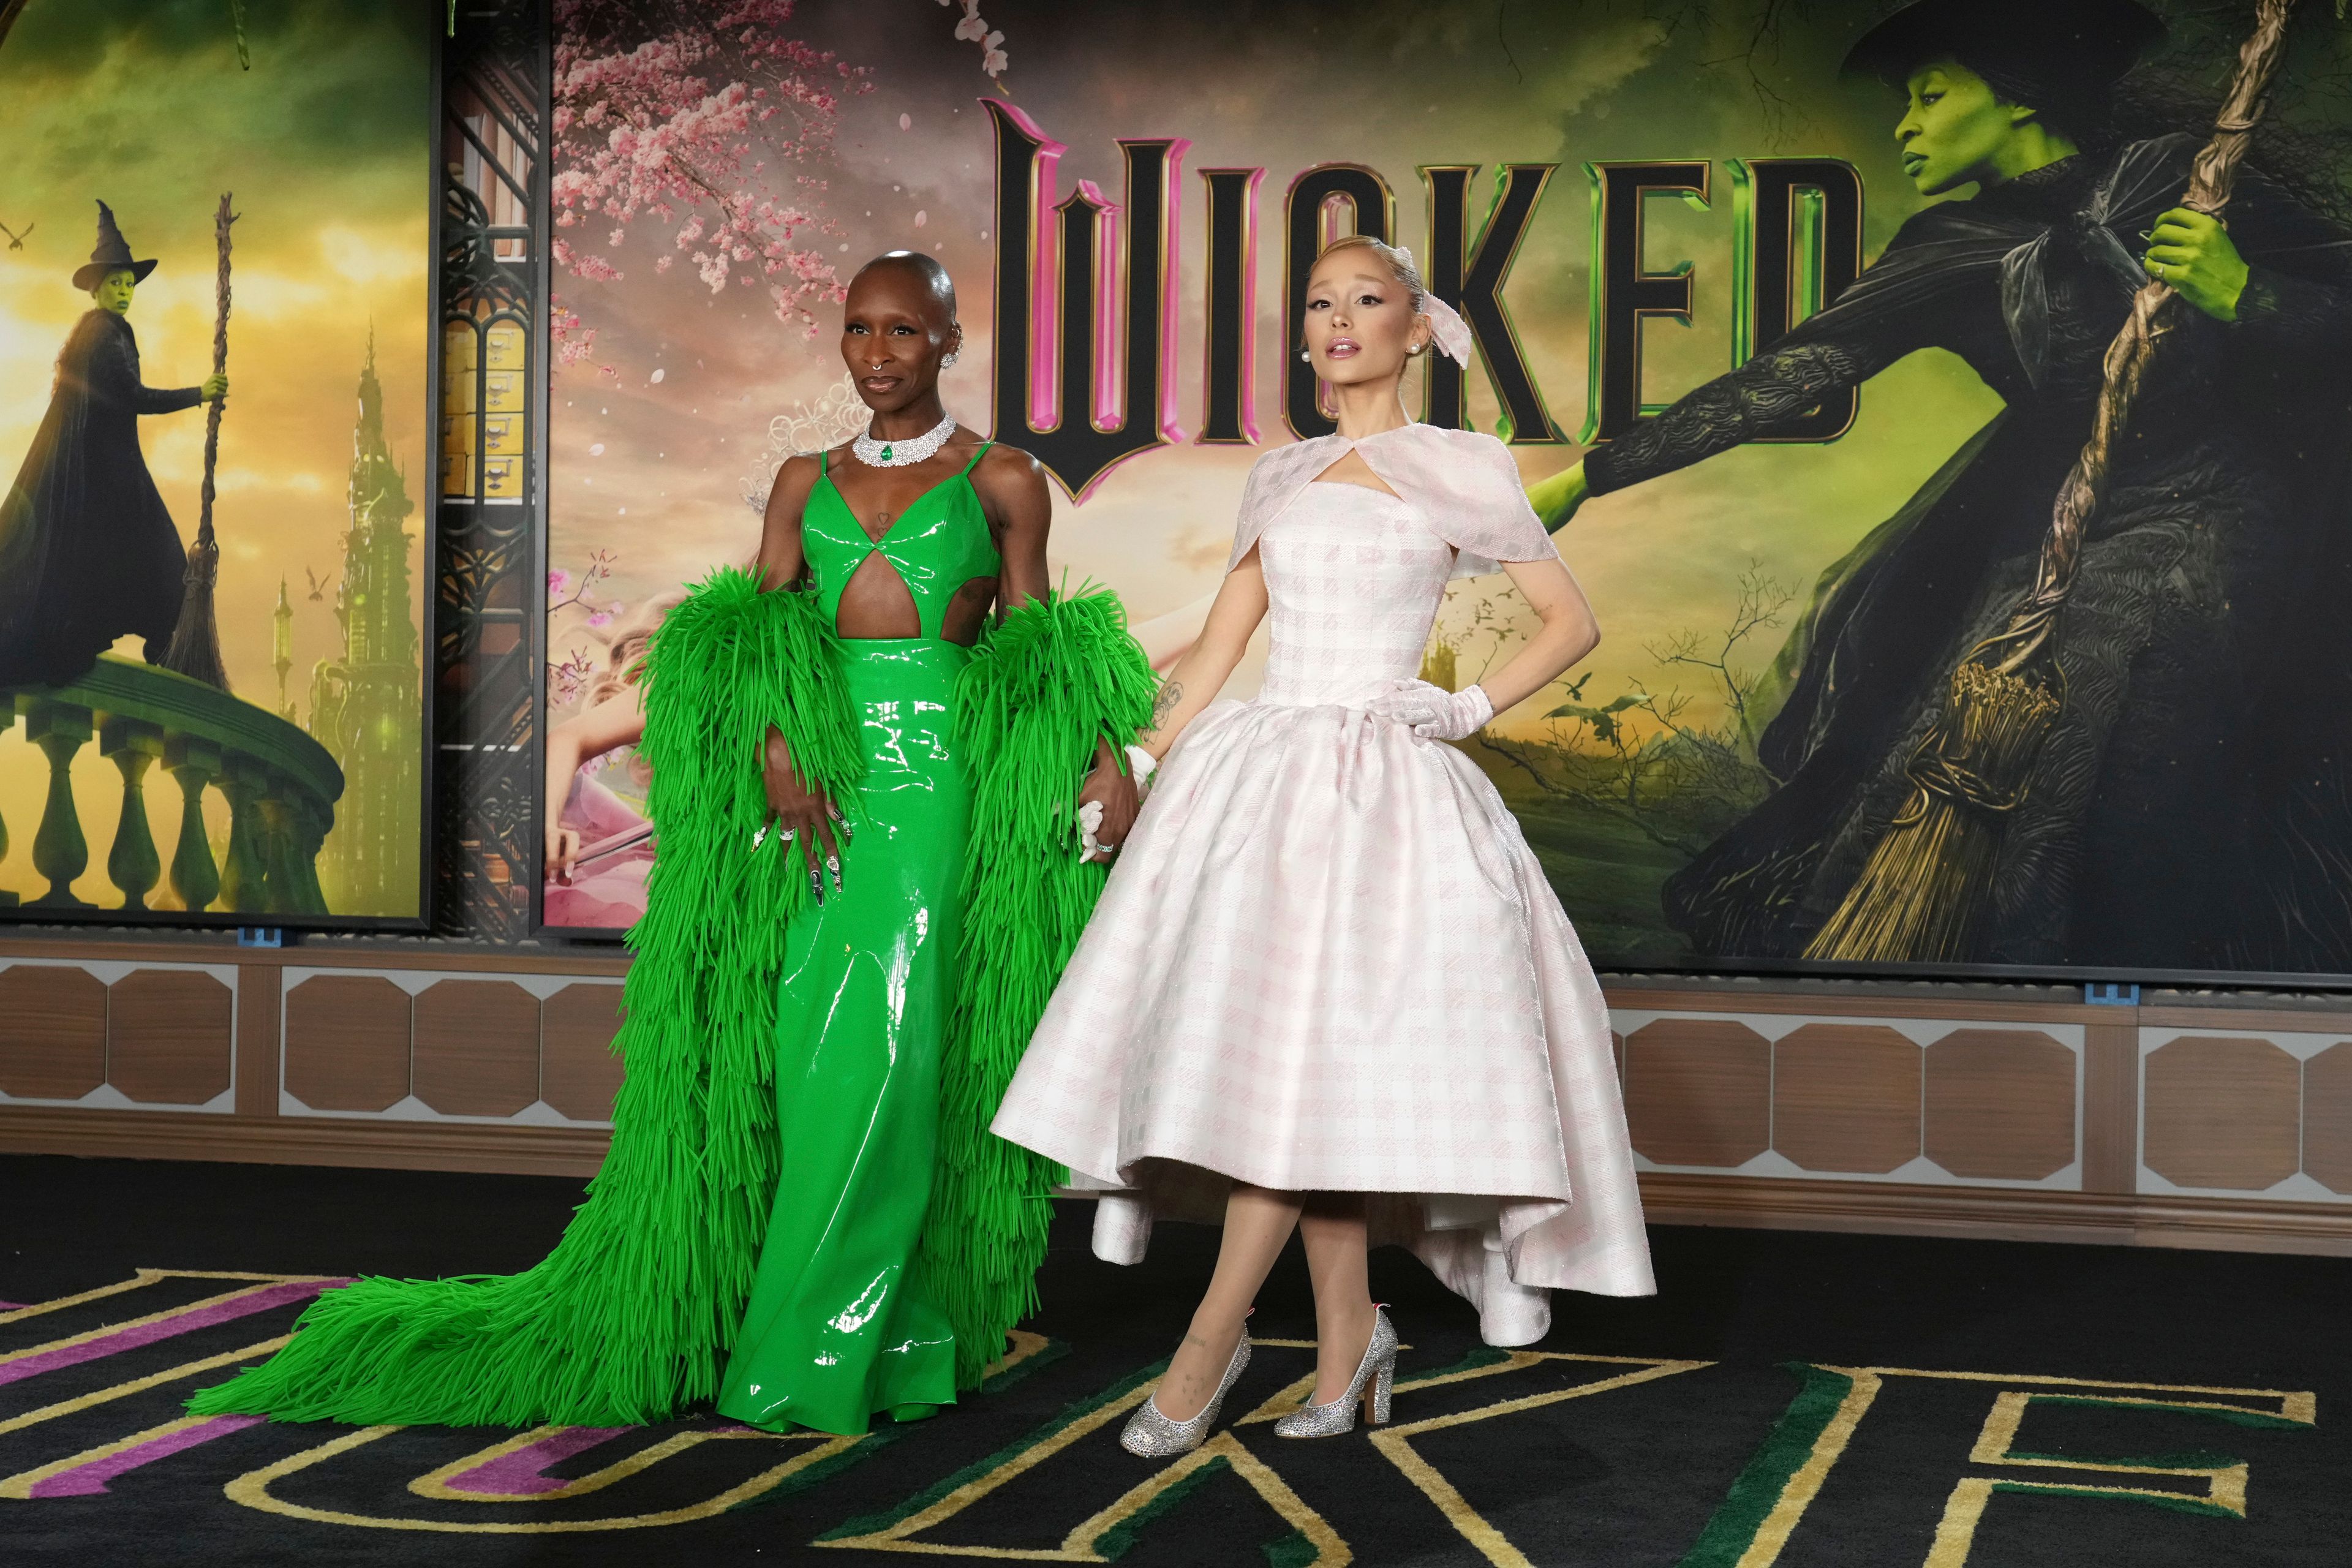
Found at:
[520, 1473]
[89, 1480]
[185, 1321]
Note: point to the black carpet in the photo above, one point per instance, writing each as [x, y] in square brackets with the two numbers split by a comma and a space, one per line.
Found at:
[1795, 1399]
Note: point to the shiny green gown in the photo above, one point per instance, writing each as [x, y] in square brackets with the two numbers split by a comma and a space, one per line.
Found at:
[804, 1126]
[838, 1326]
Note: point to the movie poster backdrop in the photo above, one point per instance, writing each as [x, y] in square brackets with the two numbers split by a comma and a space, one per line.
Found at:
[244, 746]
[1627, 201]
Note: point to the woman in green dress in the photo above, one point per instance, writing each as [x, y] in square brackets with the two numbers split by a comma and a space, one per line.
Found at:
[867, 790]
[906, 563]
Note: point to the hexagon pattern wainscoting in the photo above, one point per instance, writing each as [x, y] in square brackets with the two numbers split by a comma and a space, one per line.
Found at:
[2000, 1104]
[118, 1035]
[475, 1048]
[1698, 1091]
[2244, 1113]
[1852, 1099]
[346, 1043]
[2327, 1118]
[578, 1072]
[432, 1046]
[2223, 1112]
[1845, 1097]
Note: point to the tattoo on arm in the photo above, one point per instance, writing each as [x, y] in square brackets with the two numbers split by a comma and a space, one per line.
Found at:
[1171, 694]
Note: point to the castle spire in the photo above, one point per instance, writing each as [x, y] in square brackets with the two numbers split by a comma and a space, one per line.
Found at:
[363, 703]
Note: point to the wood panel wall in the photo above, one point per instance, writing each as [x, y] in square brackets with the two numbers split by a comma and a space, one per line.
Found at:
[1899, 1108]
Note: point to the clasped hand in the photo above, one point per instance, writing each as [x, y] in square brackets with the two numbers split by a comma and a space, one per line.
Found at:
[802, 814]
[2191, 252]
[1433, 712]
[1108, 804]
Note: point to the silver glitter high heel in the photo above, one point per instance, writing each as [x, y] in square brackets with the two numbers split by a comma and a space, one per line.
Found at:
[1154, 1436]
[1374, 1375]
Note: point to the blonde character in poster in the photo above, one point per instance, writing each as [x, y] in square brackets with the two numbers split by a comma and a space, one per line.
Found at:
[1328, 976]
[600, 847]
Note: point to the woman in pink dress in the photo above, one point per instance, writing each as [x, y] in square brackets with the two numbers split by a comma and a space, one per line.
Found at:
[1328, 986]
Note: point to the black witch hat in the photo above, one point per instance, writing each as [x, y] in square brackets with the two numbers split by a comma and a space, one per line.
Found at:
[112, 254]
[2061, 56]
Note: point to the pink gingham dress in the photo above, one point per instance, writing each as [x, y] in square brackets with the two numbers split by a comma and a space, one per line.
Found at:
[1326, 958]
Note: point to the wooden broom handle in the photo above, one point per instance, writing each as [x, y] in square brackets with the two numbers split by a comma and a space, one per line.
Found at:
[2155, 312]
[221, 220]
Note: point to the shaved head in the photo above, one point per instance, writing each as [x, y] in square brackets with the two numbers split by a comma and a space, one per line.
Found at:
[899, 330]
[924, 270]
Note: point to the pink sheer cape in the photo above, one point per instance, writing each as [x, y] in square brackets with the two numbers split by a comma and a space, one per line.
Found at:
[1464, 484]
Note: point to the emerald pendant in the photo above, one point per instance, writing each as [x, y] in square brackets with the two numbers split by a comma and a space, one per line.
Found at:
[869, 448]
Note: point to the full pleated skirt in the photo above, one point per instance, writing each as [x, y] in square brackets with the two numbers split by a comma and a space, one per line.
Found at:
[1328, 961]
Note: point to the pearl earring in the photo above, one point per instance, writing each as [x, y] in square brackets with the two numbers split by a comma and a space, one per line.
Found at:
[1306, 357]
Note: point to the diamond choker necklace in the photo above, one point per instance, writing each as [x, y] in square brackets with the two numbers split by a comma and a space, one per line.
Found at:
[901, 454]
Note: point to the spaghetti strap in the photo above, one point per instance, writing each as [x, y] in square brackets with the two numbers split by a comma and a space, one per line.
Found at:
[823, 456]
[976, 456]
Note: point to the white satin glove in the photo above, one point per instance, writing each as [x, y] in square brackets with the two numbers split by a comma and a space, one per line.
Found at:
[1141, 765]
[1435, 713]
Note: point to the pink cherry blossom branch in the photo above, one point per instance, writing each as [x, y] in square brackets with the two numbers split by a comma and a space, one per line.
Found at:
[679, 113]
[991, 42]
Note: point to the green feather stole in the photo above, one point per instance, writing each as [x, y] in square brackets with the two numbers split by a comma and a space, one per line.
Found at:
[630, 1317]
[1042, 689]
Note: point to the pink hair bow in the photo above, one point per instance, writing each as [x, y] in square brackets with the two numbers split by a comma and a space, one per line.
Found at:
[1447, 330]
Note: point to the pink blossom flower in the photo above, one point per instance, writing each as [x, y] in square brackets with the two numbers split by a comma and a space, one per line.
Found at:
[673, 111]
[991, 59]
[559, 581]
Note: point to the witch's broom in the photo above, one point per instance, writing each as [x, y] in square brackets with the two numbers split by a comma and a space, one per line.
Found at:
[1924, 888]
[196, 639]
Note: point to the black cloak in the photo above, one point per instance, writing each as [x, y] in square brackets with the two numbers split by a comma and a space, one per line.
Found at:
[2192, 811]
[87, 551]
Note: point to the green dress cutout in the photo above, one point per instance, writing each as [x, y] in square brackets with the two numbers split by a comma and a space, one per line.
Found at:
[839, 1325]
[632, 1318]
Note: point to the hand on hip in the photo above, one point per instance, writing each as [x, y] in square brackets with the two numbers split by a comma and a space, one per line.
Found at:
[1434, 713]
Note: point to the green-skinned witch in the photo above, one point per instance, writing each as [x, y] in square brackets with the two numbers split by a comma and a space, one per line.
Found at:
[870, 754]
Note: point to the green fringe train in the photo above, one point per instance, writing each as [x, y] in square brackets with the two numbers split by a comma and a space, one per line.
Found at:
[1042, 689]
[631, 1316]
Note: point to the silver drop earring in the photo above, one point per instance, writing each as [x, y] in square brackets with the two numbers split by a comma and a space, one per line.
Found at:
[947, 359]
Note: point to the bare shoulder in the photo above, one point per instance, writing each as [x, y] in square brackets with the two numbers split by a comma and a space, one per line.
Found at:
[1010, 479]
[795, 478]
